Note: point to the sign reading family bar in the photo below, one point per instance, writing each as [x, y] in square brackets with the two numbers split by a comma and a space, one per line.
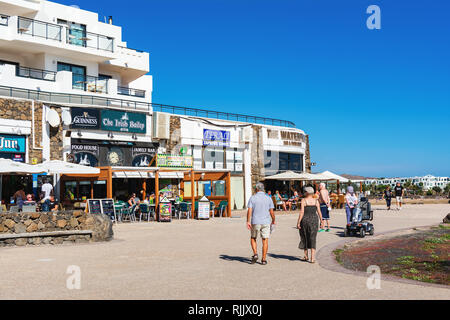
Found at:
[174, 161]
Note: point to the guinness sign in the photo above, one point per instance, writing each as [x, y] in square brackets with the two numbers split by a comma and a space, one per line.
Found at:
[85, 118]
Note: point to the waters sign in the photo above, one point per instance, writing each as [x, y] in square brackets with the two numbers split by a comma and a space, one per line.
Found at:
[124, 121]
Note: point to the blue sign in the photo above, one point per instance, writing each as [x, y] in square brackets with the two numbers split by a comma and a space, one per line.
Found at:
[216, 138]
[12, 144]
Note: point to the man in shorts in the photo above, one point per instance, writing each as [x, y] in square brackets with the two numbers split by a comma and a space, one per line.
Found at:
[399, 192]
[260, 218]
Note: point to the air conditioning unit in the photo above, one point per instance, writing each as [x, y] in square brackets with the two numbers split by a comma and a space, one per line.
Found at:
[247, 135]
[161, 125]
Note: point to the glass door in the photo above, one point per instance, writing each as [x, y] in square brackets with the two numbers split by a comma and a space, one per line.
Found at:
[78, 74]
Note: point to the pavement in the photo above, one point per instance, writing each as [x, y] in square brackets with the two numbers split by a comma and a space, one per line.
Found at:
[204, 260]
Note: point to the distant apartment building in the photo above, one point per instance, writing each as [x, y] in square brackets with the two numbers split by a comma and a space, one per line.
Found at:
[428, 182]
[71, 89]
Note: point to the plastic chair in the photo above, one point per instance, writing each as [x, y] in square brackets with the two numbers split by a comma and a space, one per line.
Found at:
[222, 207]
[130, 213]
[145, 211]
[29, 208]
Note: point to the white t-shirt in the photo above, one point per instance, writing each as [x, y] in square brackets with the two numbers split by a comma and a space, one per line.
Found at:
[47, 189]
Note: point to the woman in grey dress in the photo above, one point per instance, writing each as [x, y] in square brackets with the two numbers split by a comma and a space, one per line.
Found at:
[308, 224]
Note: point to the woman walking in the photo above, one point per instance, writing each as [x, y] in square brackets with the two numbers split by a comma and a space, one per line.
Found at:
[351, 201]
[308, 224]
[387, 195]
[325, 205]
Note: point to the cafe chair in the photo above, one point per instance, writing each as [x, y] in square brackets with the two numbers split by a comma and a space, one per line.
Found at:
[129, 212]
[29, 208]
[222, 207]
[145, 211]
[185, 208]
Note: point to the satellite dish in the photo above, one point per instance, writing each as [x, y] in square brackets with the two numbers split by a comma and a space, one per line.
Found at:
[66, 118]
[53, 118]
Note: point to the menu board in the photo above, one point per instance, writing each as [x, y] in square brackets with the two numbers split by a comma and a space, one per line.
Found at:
[95, 206]
[108, 207]
[203, 210]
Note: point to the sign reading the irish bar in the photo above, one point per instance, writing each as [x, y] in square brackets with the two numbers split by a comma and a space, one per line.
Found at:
[83, 118]
[173, 161]
[124, 121]
[216, 138]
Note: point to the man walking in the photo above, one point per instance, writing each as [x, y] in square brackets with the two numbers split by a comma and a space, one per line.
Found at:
[260, 218]
[399, 192]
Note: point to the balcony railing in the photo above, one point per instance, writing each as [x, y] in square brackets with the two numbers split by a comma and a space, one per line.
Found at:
[91, 40]
[131, 92]
[52, 31]
[36, 74]
[66, 98]
[89, 83]
[39, 29]
[4, 20]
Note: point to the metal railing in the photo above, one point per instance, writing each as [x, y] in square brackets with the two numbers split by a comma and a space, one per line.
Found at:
[131, 49]
[89, 83]
[39, 29]
[66, 98]
[91, 40]
[36, 74]
[131, 92]
[4, 20]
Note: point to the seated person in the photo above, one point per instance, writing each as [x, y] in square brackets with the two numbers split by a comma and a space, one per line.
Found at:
[133, 200]
[30, 200]
[279, 200]
[50, 205]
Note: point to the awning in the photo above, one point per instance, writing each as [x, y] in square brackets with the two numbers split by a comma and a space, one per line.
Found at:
[8, 166]
[146, 175]
[61, 167]
[293, 176]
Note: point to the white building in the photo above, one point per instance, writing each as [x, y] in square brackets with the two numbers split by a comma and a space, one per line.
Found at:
[51, 48]
[428, 182]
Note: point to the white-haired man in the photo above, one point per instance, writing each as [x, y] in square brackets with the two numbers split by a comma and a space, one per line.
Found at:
[260, 218]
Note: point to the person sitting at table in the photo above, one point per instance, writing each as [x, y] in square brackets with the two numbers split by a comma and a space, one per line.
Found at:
[30, 200]
[50, 205]
[133, 200]
[19, 197]
[293, 200]
[279, 200]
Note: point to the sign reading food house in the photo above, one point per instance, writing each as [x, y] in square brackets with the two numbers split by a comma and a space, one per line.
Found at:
[94, 149]
[83, 118]
[216, 138]
[124, 121]
[173, 161]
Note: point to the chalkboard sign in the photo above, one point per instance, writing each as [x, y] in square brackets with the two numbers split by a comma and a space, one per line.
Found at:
[95, 206]
[108, 207]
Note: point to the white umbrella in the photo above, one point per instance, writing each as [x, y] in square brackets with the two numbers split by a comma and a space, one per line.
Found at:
[12, 167]
[62, 167]
[293, 176]
[327, 175]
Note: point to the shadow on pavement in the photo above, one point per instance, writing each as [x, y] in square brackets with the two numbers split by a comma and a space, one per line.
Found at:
[284, 257]
[234, 258]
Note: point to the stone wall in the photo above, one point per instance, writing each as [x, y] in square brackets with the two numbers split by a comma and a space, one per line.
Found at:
[308, 156]
[257, 156]
[175, 134]
[15, 109]
[38, 223]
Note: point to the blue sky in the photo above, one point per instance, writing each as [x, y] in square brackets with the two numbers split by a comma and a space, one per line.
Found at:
[374, 102]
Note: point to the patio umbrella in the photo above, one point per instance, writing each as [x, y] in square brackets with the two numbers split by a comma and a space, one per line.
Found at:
[327, 175]
[12, 167]
[286, 176]
[62, 167]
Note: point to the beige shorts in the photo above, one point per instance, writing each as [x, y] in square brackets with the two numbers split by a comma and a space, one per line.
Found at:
[261, 229]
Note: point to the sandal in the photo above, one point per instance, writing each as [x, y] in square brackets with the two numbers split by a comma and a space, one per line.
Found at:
[264, 262]
[254, 259]
[305, 259]
[312, 262]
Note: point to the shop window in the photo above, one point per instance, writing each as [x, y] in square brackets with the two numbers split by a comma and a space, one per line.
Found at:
[204, 188]
[70, 190]
[187, 190]
[100, 190]
[219, 188]
[85, 190]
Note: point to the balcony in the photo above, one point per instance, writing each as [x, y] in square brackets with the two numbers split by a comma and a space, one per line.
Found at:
[89, 83]
[37, 74]
[40, 29]
[124, 91]
[50, 31]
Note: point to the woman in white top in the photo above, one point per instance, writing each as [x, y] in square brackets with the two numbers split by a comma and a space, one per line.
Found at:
[351, 201]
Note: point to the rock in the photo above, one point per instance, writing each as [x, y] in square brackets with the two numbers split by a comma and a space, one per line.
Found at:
[27, 223]
[58, 241]
[10, 224]
[44, 218]
[61, 224]
[46, 240]
[73, 222]
[77, 214]
[32, 228]
[37, 241]
[90, 221]
[447, 219]
[20, 228]
[41, 226]
[35, 215]
[102, 229]
[21, 242]
[81, 220]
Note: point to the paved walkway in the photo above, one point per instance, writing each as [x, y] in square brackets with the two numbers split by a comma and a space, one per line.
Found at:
[202, 260]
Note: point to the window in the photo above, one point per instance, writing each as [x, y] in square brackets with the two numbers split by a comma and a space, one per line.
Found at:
[219, 189]
[104, 77]
[78, 74]
[290, 161]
